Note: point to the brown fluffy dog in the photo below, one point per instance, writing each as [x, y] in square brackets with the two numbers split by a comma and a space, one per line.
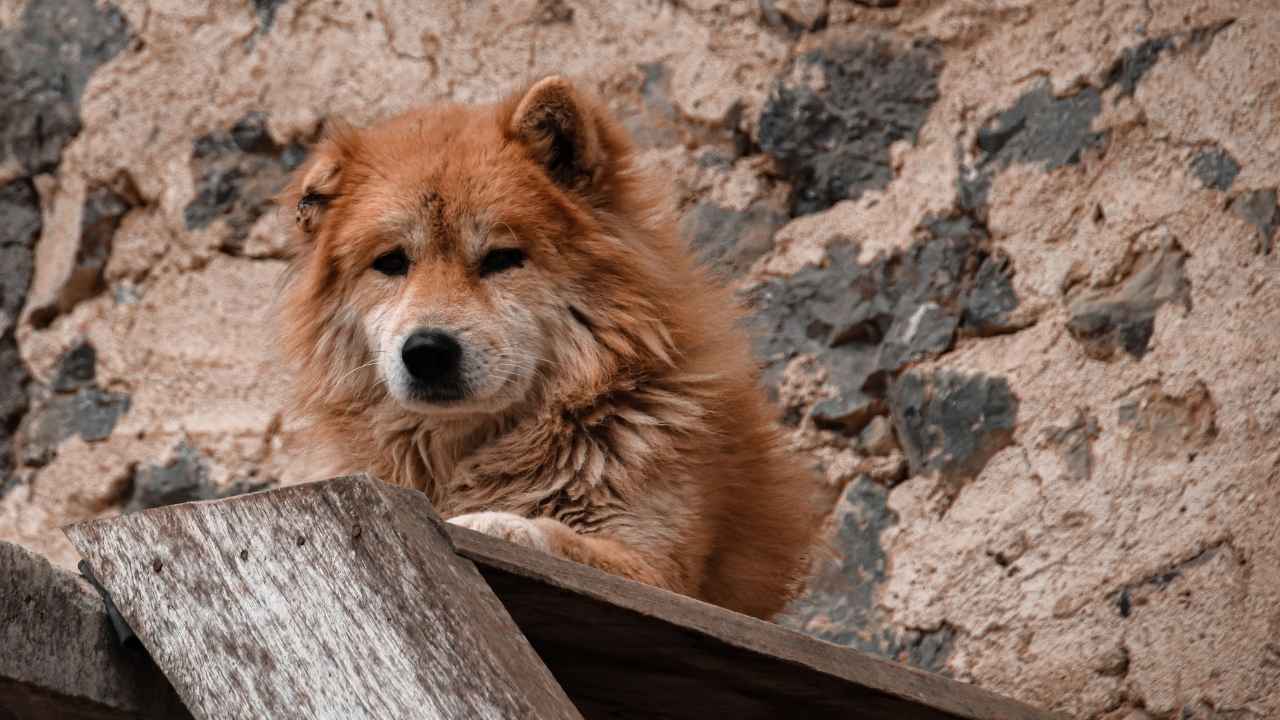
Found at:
[491, 304]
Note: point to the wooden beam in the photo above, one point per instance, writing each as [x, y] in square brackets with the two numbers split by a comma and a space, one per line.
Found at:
[341, 599]
[626, 650]
[59, 657]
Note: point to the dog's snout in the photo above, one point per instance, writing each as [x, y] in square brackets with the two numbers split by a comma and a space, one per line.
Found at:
[432, 357]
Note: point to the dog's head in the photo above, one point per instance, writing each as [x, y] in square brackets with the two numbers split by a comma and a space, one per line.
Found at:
[456, 258]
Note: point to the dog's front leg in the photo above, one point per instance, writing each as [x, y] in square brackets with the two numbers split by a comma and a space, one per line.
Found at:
[554, 537]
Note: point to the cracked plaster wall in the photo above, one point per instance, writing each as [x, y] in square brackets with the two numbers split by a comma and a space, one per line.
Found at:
[1011, 263]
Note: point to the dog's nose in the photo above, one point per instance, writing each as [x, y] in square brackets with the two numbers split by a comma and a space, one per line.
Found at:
[431, 356]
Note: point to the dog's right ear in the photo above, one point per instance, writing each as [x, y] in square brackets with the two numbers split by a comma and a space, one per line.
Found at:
[562, 130]
[313, 188]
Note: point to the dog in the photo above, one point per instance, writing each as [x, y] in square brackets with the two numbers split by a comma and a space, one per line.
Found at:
[491, 304]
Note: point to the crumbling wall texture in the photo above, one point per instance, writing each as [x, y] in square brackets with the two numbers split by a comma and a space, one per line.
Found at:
[1012, 264]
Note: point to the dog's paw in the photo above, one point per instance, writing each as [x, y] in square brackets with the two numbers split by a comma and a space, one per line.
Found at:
[508, 526]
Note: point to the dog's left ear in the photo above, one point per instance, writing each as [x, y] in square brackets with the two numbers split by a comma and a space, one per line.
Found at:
[313, 187]
[564, 132]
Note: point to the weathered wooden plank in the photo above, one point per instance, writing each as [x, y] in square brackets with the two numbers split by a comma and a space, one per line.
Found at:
[625, 650]
[59, 657]
[340, 599]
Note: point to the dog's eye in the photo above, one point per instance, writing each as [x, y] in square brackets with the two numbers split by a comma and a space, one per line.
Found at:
[501, 259]
[392, 263]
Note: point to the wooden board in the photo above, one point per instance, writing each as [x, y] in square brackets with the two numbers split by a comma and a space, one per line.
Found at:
[59, 657]
[626, 650]
[340, 599]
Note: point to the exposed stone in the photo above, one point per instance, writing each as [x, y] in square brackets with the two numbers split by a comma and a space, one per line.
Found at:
[728, 240]
[45, 64]
[877, 437]
[842, 604]
[79, 407]
[831, 118]
[1123, 317]
[20, 210]
[877, 3]
[927, 649]
[1215, 168]
[1134, 62]
[990, 305]
[867, 322]
[76, 369]
[266, 11]
[90, 413]
[184, 478]
[919, 332]
[237, 173]
[1041, 129]
[82, 278]
[846, 413]
[952, 423]
[1258, 208]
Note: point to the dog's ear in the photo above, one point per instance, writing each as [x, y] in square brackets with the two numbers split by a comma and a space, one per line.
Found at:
[564, 132]
[314, 186]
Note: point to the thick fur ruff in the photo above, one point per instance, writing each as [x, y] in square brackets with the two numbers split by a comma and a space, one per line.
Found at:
[611, 410]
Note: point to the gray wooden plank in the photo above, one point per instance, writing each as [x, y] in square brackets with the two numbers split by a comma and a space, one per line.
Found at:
[59, 657]
[339, 599]
[626, 650]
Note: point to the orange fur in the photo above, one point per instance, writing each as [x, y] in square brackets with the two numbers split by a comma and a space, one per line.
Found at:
[613, 412]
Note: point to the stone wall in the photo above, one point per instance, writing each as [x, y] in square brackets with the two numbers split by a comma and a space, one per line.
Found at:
[1012, 263]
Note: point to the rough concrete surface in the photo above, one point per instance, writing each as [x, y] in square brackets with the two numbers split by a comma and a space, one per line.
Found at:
[1012, 264]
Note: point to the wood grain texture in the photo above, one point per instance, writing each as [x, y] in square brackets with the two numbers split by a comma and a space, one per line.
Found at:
[626, 650]
[58, 655]
[339, 599]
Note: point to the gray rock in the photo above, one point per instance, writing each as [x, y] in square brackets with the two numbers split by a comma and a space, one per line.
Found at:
[266, 11]
[952, 423]
[842, 603]
[833, 143]
[237, 172]
[877, 438]
[865, 322]
[184, 478]
[991, 302]
[90, 413]
[1215, 168]
[847, 413]
[77, 368]
[45, 63]
[1258, 208]
[1042, 129]
[729, 241]
[1123, 317]
[1134, 63]
[20, 209]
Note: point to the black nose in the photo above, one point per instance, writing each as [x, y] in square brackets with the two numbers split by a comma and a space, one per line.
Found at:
[432, 357]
